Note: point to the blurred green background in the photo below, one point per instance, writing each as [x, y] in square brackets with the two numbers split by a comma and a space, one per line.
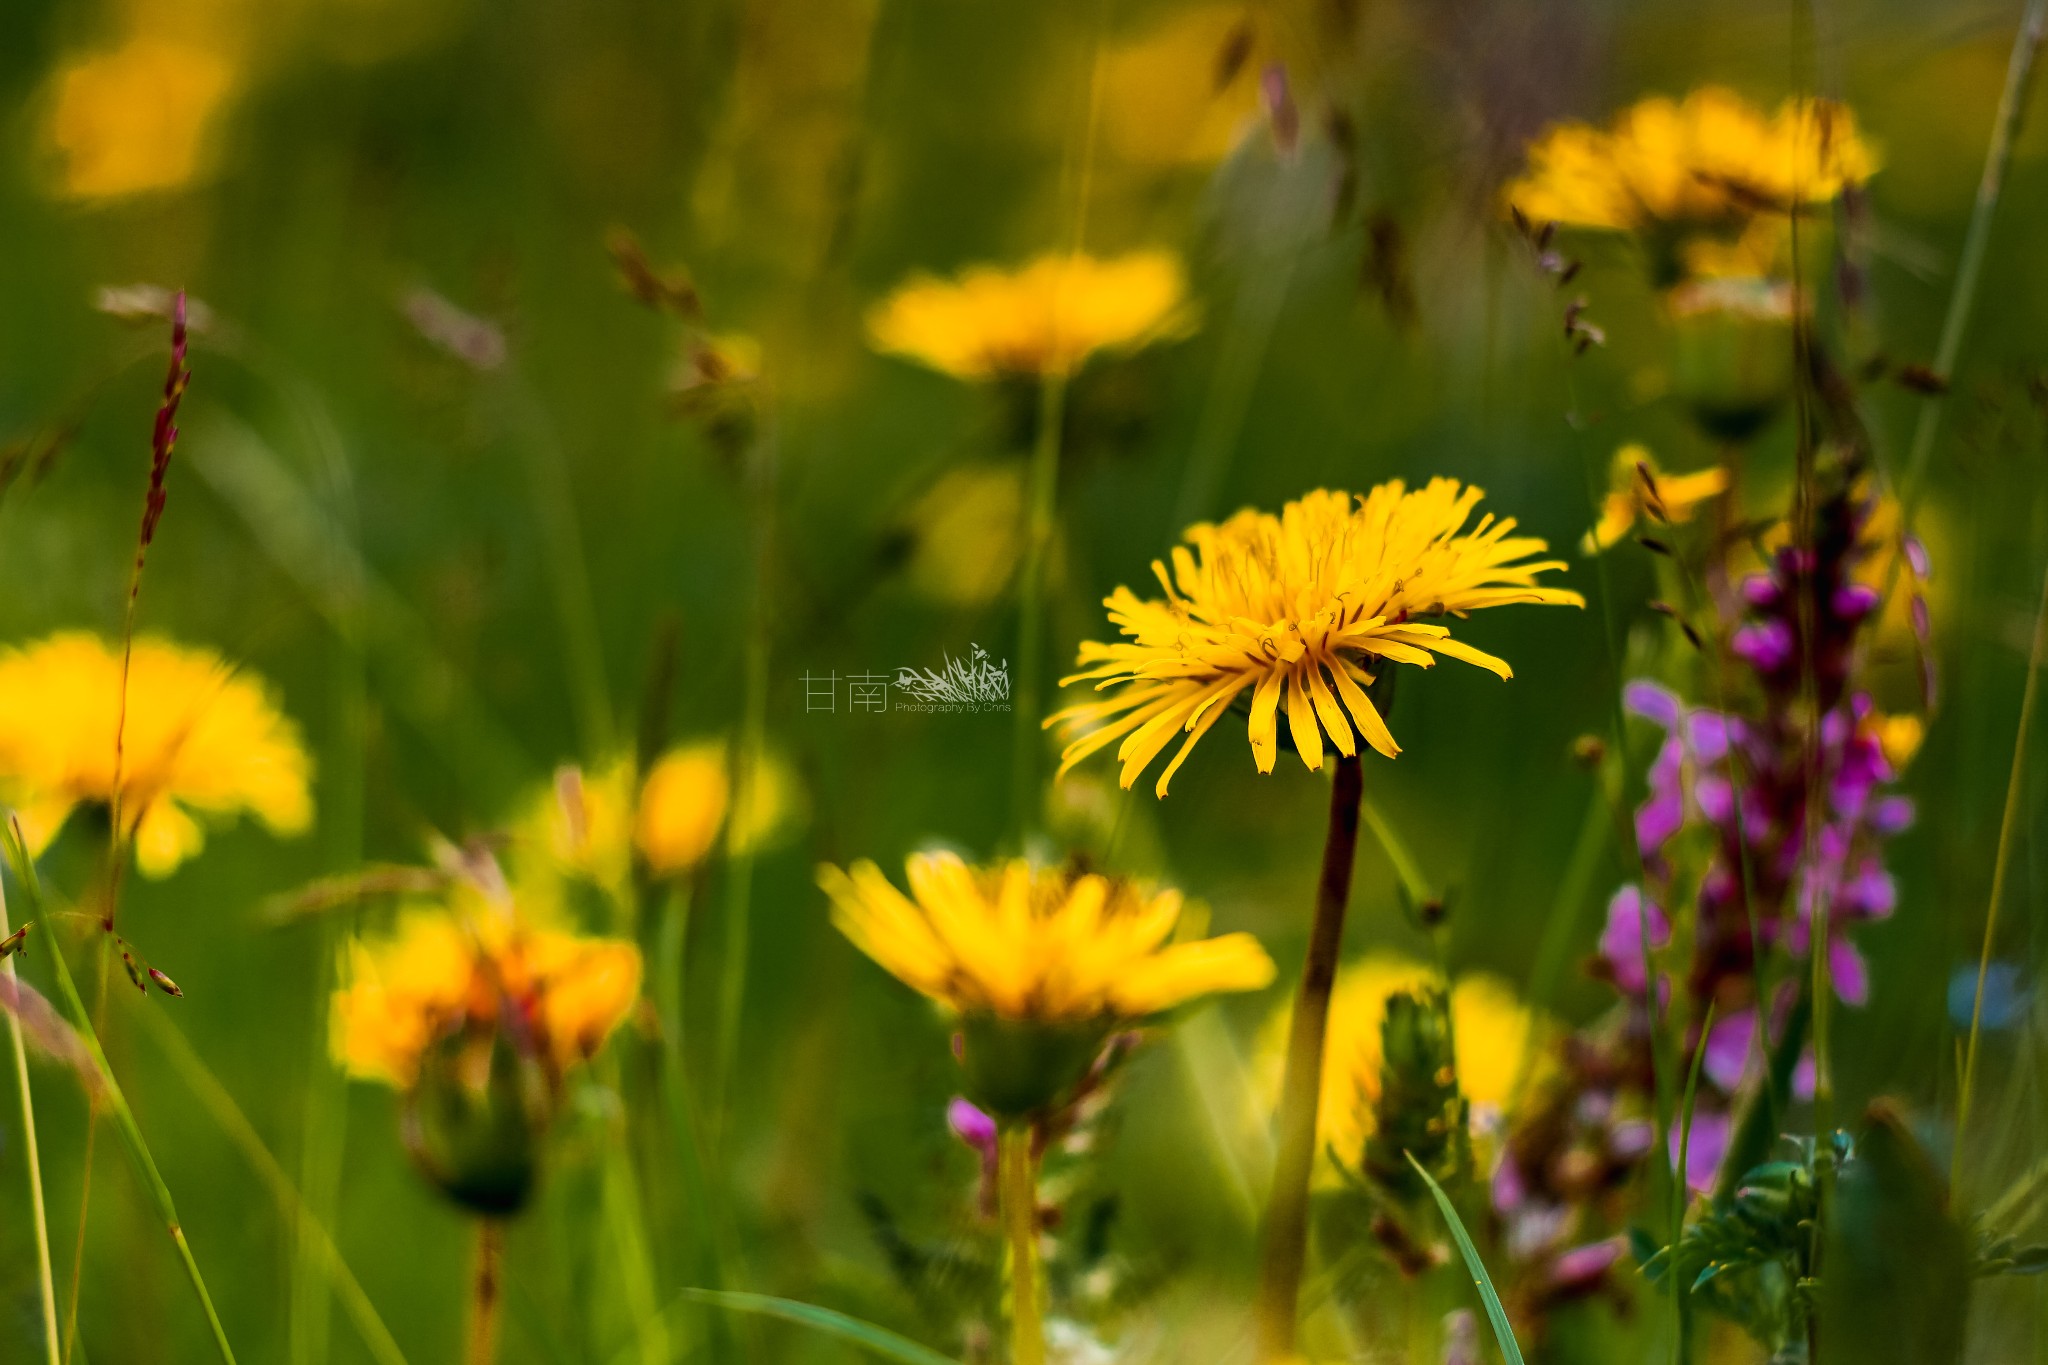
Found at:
[379, 530]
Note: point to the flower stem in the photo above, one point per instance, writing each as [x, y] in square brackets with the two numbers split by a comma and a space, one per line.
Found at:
[1285, 1248]
[1042, 491]
[45, 1280]
[486, 1297]
[1018, 1177]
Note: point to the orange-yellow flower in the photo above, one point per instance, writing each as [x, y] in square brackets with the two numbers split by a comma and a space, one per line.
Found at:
[1045, 318]
[1298, 609]
[198, 739]
[1037, 944]
[473, 962]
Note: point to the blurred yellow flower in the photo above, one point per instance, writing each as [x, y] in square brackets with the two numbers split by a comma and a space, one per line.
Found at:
[1048, 317]
[137, 118]
[1295, 607]
[1713, 159]
[968, 531]
[588, 824]
[1495, 1035]
[1638, 489]
[474, 962]
[683, 806]
[1040, 944]
[198, 739]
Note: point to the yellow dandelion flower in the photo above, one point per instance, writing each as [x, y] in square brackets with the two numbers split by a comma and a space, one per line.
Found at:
[1036, 943]
[198, 739]
[137, 118]
[1496, 1037]
[1638, 489]
[1296, 608]
[1184, 91]
[472, 963]
[1045, 318]
[1712, 159]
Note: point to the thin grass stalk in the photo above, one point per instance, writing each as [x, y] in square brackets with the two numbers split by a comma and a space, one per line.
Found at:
[294, 1208]
[746, 755]
[2005, 127]
[1017, 1175]
[554, 508]
[2007, 828]
[624, 1215]
[114, 1100]
[486, 1293]
[1681, 1193]
[1040, 520]
[46, 1284]
[1285, 1250]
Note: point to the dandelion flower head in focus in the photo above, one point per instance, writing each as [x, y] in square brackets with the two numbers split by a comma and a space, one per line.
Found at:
[1045, 318]
[198, 739]
[1298, 609]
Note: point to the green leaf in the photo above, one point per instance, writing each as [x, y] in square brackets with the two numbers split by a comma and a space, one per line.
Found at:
[866, 1335]
[1503, 1331]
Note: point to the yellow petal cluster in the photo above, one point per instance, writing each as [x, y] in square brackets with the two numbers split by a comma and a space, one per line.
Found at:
[1045, 945]
[1712, 158]
[1045, 318]
[474, 963]
[198, 739]
[1638, 489]
[1296, 610]
[1496, 1036]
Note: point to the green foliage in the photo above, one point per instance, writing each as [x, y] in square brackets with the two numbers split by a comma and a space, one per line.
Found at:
[1420, 1120]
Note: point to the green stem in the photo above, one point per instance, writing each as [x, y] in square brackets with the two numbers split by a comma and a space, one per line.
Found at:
[1042, 492]
[2007, 827]
[2012, 104]
[46, 1282]
[1285, 1250]
[1018, 1176]
[486, 1299]
[746, 754]
[117, 1103]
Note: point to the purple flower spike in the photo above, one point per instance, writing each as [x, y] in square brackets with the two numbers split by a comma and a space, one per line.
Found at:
[1704, 1148]
[1845, 966]
[1917, 557]
[1923, 624]
[1766, 647]
[1578, 1268]
[1621, 943]
[1854, 601]
[1760, 592]
[1652, 701]
[1729, 1047]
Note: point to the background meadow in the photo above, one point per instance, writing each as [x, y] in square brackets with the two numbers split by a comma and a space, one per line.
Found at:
[459, 580]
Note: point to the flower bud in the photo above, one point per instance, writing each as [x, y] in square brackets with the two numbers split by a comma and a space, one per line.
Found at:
[473, 1120]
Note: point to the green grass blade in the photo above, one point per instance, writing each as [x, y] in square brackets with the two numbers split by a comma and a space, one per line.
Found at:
[46, 1284]
[865, 1335]
[1503, 1332]
[200, 1080]
[115, 1101]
